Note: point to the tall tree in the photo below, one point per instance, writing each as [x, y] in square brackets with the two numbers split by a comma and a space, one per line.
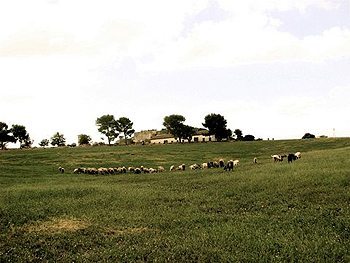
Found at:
[108, 126]
[239, 134]
[58, 140]
[20, 133]
[5, 135]
[216, 124]
[174, 125]
[124, 125]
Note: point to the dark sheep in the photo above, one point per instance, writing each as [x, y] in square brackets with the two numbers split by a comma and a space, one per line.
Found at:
[229, 166]
[291, 157]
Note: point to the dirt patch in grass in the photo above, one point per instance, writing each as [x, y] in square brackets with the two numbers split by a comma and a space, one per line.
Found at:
[58, 225]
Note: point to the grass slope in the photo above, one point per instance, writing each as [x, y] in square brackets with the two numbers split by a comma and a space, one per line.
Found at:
[269, 212]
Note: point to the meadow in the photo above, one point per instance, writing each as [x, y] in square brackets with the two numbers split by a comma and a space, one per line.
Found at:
[265, 212]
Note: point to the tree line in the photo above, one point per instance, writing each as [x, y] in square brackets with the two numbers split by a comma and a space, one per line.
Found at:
[113, 129]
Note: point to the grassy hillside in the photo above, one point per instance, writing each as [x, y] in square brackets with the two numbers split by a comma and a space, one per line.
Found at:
[268, 212]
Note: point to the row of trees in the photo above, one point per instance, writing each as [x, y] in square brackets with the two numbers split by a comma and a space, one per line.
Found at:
[114, 128]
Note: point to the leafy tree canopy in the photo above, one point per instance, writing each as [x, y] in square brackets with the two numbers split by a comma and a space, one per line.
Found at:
[84, 139]
[108, 126]
[308, 136]
[216, 124]
[44, 143]
[124, 125]
[174, 125]
[239, 134]
[5, 135]
[58, 140]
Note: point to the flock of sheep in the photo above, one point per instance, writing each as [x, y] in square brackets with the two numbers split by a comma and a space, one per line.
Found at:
[228, 166]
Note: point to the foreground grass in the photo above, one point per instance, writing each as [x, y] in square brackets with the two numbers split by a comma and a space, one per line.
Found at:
[270, 212]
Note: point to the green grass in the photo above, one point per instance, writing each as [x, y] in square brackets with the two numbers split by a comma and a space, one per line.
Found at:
[269, 212]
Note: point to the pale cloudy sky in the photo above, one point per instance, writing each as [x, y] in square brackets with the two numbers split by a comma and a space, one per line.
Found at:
[273, 68]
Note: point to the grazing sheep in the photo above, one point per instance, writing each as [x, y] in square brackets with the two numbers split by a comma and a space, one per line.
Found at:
[172, 168]
[131, 169]
[195, 166]
[210, 164]
[291, 157]
[152, 170]
[278, 158]
[161, 169]
[221, 163]
[298, 155]
[137, 171]
[61, 169]
[235, 162]
[255, 160]
[182, 167]
[79, 170]
[229, 166]
[205, 165]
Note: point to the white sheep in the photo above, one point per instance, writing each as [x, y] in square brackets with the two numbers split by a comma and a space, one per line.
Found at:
[194, 166]
[204, 165]
[298, 155]
[235, 162]
[160, 169]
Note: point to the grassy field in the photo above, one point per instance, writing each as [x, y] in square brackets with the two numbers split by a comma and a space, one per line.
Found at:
[268, 212]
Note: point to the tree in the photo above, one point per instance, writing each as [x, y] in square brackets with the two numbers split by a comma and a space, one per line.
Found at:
[308, 136]
[44, 142]
[84, 139]
[124, 125]
[248, 137]
[187, 132]
[58, 140]
[20, 133]
[216, 124]
[239, 134]
[5, 135]
[108, 126]
[174, 125]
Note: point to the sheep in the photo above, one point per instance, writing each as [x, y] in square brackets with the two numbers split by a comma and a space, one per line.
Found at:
[205, 165]
[235, 162]
[172, 168]
[278, 158]
[229, 166]
[152, 170]
[131, 169]
[61, 169]
[160, 169]
[255, 160]
[79, 170]
[91, 171]
[182, 167]
[221, 163]
[137, 171]
[291, 157]
[194, 166]
[298, 155]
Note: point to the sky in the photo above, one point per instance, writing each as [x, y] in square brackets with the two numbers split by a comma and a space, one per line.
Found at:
[273, 69]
